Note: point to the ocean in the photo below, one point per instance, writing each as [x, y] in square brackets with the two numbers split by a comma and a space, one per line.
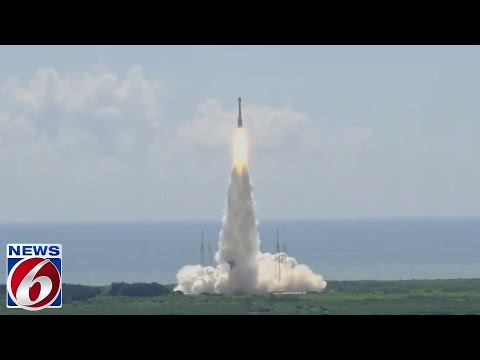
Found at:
[343, 249]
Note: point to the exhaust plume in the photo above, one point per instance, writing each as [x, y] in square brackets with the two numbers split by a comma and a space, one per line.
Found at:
[241, 265]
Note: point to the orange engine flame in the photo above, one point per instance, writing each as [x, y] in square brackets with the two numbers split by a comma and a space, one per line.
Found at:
[240, 150]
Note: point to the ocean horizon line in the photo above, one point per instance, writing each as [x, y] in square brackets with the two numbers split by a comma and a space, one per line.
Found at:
[210, 220]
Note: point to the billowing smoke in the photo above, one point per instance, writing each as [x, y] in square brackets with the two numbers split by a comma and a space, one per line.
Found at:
[241, 265]
[239, 244]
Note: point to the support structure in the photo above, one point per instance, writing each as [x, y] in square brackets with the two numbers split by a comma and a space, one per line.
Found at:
[210, 254]
[202, 253]
[278, 258]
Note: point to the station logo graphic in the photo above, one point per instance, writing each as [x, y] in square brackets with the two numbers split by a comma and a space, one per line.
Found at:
[34, 276]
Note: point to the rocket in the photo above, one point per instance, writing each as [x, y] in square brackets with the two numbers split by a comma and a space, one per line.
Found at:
[239, 121]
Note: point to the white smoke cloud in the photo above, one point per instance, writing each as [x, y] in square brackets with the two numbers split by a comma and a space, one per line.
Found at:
[239, 244]
[241, 265]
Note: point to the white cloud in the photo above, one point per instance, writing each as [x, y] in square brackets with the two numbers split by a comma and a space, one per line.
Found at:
[269, 128]
[96, 113]
[75, 145]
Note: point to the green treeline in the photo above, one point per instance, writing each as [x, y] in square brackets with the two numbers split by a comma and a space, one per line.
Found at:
[402, 286]
[74, 292]
[137, 289]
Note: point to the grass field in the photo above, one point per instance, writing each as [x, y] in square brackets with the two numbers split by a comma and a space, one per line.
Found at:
[456, 296]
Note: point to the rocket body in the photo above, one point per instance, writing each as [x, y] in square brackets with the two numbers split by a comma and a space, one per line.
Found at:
[239, 121]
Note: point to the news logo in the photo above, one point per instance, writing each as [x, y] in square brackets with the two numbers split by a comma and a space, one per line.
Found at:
[34, 276]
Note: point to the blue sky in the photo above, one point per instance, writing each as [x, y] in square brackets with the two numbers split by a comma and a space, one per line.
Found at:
[143, 132]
